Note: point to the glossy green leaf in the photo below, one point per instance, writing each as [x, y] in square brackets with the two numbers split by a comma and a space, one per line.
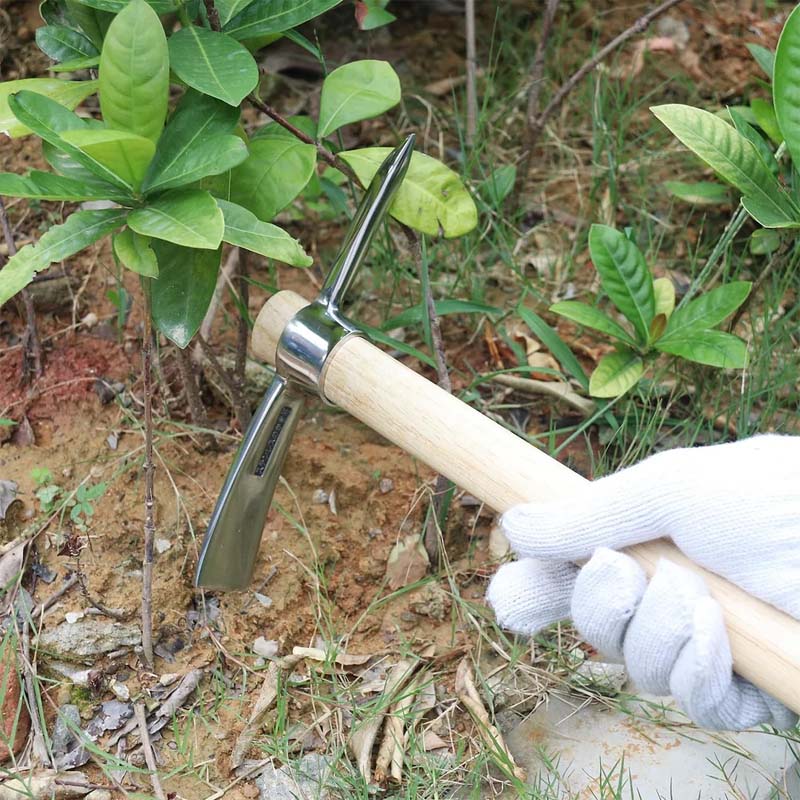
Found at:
[77, 64]
[701, 193]
[624, 275]
[431, 199]
[555, 344]
[664, 293]
[245, 229]
[188, 217]
[767, 121]
[729, 154]
[356, 91]
[39, 185]
[213, 63]
[183, 154]
[592, 317]
[764, 241]
[61, 241]
[275, 172]
[117, 6]
[134, 72]
[92, 21]
[416, 314]
[373, 15]
[48, 120]
[186, 280]
[764, 57]
[764, 213]
[756, 139]
[786, 84]
[64, 44]
[616, 373]
[66, 93]
[125, 154]
[275, 16]
[706, 311]
[713, 348]
[135, 252]
[228, 9]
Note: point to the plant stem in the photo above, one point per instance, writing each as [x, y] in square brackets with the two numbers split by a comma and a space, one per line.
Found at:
[197, 411]
[326, 155]
[472, 91]
[149, 494]
[213, 15]
[31, 347]
[237, 399]
[536, 126]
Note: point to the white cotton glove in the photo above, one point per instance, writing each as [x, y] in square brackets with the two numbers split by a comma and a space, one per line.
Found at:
[732, 508]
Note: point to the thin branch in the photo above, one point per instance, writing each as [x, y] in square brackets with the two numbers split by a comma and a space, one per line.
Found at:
[31, 347]
[147, 746]
[41, 756]
[326, 155]
[228, 268]
[149, 497]
[213, 15]
[472, 90]
[536, 126]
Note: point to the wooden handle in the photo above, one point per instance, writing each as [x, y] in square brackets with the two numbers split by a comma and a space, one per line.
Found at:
[502, 470]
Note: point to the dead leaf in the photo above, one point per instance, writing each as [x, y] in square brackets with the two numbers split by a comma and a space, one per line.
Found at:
[432, 741]
[11, 564]
[408, 562]
[340, 659]
[13, 711]
[23, 435]
[8, 494]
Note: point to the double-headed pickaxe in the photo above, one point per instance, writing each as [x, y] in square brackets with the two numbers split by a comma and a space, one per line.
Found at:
[313, 347]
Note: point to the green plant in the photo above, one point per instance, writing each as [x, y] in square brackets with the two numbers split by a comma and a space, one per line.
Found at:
[187, 180]
[743, 155]
[656, 325]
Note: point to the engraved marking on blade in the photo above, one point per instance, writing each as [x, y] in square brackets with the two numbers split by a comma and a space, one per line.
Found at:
[273, 438]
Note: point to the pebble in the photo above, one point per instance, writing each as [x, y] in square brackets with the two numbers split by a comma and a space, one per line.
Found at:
[386, 485]
[307, 777]
[67, 721]
[266, 648]
[320, 497]
[605, 678]
[86, 639]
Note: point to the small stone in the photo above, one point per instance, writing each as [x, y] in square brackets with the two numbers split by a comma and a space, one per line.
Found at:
[604, 678]
[112, 440]
[386, 485]
[120, 690]
[168, 678]
[162, 545]
[86, 639]
[89, 320]
[499, 547]
[73, 616]
[263, 599]
[373, 532]
[80, 677]
[67, 722]
[308, 777]
[320, 497]
[266, 648]
[98, 794]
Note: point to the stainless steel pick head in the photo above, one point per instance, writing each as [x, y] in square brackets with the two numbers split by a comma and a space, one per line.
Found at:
[231, 542]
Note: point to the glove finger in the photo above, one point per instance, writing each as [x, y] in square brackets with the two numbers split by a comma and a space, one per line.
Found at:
[661, 626]
[704, 686]
[607, 592]
[613, 512]
[529, 595]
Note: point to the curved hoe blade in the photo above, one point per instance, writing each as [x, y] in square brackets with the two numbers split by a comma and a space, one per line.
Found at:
[234, 531]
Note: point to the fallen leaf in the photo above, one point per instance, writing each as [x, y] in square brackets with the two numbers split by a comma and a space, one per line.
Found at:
[13, 711]
[408, 562]
[8, 494]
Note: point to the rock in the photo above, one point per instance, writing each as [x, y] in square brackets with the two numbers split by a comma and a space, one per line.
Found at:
[119, 690]
[517, 690]
[80, 677]
[304, 778]
[8, 494]
[99, 794]
[386, 485]
[601, 677]
[13, 711]
[499, 547]
[67, 721]
[320, 497]
[87, 639]
[265, 648]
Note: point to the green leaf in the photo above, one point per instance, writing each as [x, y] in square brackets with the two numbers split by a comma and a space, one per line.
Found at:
[188, 217]
[592, 317]
[416, 314]
[92, 21]
[764, 241]
[624, 275]
[764, 57]
[498, 185]
[181, 154]
[729, 154]
[134, 72]
[78, 231]
[49, 120]
[186, 280]
[616, 373]
[275, 16]
[78, 63]
[700, 194]
[66, 93]
[356, 91]
[664, 293]
[714, 348]
[431, 199]
[373, 16]
[117, 6]
[706, 311]
[135, 252]
[756, 139]
[786, 84]
[63, 44]
[39, 185]
[764, 214]
[767, 121]
[228, 9]
[244, 229]
[213, 63]
[275, 172]
[554, 343]
[125, 154]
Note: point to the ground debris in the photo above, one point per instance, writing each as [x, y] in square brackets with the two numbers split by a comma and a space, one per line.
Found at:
[13, 711]
[8, 494]
[408, 562]
[86, 639]
[308, 777]
[44, 785]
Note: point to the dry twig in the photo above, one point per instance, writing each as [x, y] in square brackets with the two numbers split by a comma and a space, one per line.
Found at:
[554, 389]
[147, 746]
[472, 89]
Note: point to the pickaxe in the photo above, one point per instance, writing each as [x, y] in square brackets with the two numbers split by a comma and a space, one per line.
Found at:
[316, 349]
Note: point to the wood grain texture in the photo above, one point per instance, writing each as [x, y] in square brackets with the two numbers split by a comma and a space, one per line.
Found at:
[501, 469]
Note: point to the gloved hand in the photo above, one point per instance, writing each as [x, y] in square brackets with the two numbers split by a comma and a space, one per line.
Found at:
[732, 508]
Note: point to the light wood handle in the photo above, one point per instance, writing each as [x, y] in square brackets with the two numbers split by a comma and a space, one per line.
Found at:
[502, 470]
